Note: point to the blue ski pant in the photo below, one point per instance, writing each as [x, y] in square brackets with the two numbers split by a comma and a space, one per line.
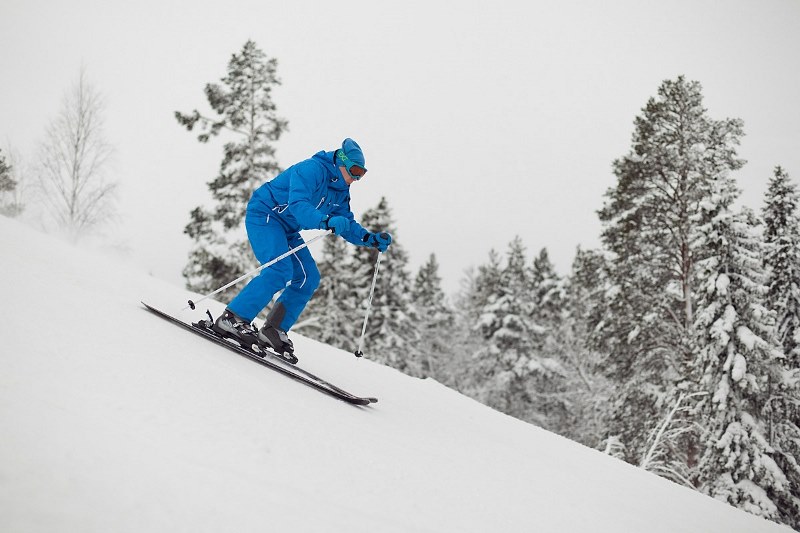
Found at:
[297, 274]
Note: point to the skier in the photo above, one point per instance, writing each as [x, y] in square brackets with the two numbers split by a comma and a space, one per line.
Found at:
[313, 194]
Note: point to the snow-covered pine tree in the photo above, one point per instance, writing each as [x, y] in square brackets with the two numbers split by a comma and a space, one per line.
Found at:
[7, 187]
[243, 104]
[649, 221]
[16, 184]
[584, 300]
[782, 263]
[782, 237]
[736, 361]
[481, 289]
[508, 361]
[585, 390]
[546, 292]
[478, 288]
[435, 319]
[548, 385]
[391, 335]
[332, 314]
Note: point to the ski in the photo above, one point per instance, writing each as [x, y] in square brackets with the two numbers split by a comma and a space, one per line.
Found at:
[268, 359]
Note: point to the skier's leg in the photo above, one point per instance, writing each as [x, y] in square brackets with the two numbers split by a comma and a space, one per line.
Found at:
[305, 281]
[268, 240]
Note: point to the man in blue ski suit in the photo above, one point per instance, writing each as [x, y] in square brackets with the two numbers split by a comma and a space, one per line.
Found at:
[313, 194]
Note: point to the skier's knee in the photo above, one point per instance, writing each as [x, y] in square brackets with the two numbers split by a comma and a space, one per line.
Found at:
[280, 271]
[312, 279]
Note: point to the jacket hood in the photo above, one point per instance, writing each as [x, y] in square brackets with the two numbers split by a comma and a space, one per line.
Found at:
[327, 160]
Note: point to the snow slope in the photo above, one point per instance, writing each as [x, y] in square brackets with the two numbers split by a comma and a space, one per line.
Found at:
[112, 419]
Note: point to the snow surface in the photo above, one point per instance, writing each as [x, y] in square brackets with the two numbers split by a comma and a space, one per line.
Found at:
[116, 420]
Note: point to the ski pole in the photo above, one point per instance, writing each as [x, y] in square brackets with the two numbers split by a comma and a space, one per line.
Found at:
[259, 269]
[359, 352]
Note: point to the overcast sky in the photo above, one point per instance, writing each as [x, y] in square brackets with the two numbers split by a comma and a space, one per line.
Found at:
[479, 120]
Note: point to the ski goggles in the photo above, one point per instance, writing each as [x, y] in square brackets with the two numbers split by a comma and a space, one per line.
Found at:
[354, 170]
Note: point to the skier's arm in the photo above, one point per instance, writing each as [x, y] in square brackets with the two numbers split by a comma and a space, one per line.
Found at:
[304, 179]
[355, 234]
[350, 230]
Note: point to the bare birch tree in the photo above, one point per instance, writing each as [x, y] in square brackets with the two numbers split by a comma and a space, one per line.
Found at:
[77, 195]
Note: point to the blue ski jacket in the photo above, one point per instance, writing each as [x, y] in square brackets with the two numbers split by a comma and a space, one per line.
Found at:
[303, 195]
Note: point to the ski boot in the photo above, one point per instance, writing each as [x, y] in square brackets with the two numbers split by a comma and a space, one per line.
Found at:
[232, 326]
[273, 338]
